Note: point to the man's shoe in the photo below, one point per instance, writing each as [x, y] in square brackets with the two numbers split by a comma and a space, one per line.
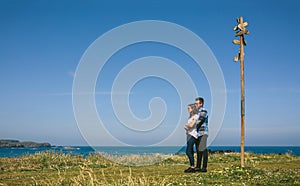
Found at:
[189, 170]
[203, 170]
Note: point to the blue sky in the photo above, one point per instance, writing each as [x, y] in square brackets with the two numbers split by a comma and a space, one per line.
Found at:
[42, 42]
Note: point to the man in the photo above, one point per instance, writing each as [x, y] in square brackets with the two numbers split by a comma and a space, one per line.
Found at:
[201, 143]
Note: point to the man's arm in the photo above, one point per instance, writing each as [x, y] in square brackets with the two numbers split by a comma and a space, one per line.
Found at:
[201, 119]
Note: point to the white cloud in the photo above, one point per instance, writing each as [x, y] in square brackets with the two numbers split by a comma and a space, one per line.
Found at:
[71, 74]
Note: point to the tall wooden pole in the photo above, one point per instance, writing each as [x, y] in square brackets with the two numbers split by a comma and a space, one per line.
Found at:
[242, 97]
[241, 31]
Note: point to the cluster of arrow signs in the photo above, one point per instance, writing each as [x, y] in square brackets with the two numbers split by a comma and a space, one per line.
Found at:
[241, 30]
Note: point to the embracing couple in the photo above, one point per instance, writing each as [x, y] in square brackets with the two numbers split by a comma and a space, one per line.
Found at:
[197, 133]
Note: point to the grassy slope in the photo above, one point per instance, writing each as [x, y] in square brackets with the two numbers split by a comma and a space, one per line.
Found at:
[59, 169]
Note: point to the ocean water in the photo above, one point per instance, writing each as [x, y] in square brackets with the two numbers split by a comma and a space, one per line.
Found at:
[86, 150]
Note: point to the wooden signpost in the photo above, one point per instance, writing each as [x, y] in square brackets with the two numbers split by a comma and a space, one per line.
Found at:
[241, 31]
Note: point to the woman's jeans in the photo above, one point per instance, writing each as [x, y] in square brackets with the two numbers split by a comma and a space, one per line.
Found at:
[190, 149]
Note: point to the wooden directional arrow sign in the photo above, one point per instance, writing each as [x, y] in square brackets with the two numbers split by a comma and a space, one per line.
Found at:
[236, 58]
[237, 42]
[242, 26]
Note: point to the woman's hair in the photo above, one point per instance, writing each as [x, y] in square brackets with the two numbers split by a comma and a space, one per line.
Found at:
[194, 109]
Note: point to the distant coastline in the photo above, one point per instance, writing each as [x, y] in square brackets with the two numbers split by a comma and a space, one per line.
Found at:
[4, 143]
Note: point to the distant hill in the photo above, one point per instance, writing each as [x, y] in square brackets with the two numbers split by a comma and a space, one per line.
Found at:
[25, 144]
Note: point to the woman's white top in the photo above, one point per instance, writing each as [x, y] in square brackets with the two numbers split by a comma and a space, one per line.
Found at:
[193, 131]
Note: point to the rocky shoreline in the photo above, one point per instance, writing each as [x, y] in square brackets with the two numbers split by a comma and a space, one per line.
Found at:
[19, 144]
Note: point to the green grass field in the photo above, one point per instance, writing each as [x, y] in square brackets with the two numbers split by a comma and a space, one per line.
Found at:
[51, 168]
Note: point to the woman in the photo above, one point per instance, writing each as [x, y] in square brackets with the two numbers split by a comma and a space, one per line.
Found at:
[191, 131]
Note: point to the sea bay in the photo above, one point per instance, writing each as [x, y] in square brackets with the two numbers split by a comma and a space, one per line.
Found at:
[141, 150]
